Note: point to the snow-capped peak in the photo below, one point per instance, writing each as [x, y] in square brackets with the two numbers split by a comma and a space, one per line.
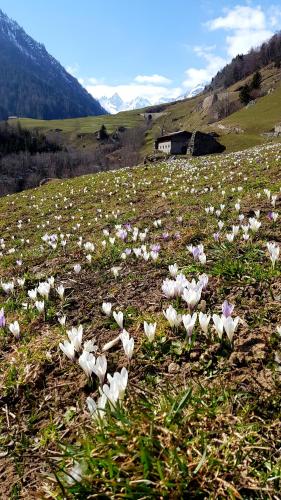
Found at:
[115, 103]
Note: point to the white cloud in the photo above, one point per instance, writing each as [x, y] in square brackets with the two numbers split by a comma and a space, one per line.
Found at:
[93, 81]
[196, 76]
[240, 17]
[153, 79]
[246, 26]
[249, 27]
[130, 91]
[244, 40]
[275, 16]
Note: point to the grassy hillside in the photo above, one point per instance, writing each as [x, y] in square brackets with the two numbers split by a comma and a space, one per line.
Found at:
[89, 124]
[254, 121]
[189, 114]
[79, 132]
[200, 414]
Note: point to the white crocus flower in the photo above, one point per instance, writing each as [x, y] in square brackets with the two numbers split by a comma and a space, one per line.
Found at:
[44, 289]
[15, 329]
[202, 258]
[87, 362]
[8, 287]
[218, 324]
[115, 391]
[115, 271]
[89, 247]
[60, 291]
[75, 474]
[254, 224]
[68, 349]
[51, 281]
[119, 318]
[77, 268]
[75, 336]
[62, 320]
[128, 344]
[274, 252]
[189, 323]
[106, 308]
[229, 237]
[191, 296]
[97, 410]
[40, 306]
[230, 326]
[32, 294]
[173, 270]
[111, 344]
[149, 330]
[174, 319]
[204, 321]
[168, 288]
[100, 368]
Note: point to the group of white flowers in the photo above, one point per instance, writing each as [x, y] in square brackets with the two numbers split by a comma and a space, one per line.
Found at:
[191, 292]
[138, 243]
[92, 364]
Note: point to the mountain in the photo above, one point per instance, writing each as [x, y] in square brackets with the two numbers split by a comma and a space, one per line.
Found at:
[33, 84]
[196, 90]
[193, 92]
[115, 104]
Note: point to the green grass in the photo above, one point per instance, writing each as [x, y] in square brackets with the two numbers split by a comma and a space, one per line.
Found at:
[199, 419]
[88, 124]
[164, 447]
[182, 115]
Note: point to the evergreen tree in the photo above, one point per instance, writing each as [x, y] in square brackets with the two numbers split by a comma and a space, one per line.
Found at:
[103, 135]
[244, 94]
[256, 80]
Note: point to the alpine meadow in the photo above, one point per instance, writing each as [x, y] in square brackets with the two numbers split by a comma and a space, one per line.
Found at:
[140, 284]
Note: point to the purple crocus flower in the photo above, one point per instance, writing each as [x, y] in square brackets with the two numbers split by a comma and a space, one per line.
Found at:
[128, 251]
[155, 248]
[177, 236]
[196, 252]
[270, 216]
[165, 236]
[122, 234]
[2, 318]
[227, 309]
[128, 226]
[216, 236]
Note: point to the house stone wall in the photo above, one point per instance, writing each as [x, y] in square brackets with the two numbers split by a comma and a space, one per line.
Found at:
[165, 147]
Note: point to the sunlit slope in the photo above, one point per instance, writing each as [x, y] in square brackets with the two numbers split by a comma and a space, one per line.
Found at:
[88, 124]
[189, 404]
[188, 114]
[254, 120]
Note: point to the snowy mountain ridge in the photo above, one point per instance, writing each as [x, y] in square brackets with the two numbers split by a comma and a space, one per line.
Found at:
[115, 104]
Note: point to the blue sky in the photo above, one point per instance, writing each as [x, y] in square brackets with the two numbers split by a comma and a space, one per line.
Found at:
[151, 48]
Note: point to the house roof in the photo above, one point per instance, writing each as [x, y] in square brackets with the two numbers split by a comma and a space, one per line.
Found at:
[173, 134]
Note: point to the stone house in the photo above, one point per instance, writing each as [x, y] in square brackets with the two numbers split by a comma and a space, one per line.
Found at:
[194, 143]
